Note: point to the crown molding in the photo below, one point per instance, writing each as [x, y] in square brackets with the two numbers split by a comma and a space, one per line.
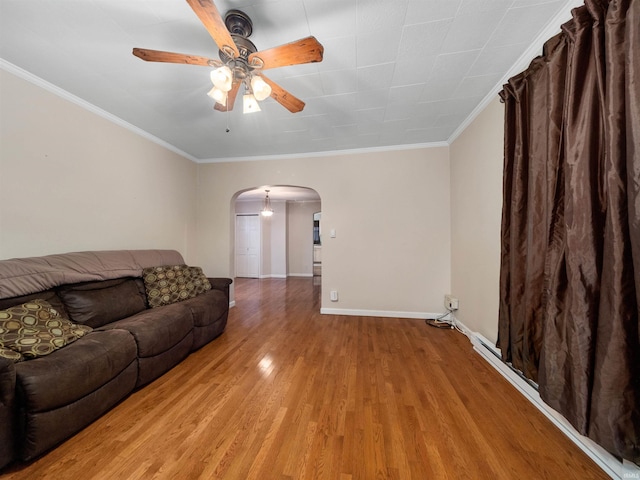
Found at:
[552, 28]
[328, 153]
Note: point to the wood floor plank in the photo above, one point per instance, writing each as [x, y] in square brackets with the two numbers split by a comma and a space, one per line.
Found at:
[287, 393]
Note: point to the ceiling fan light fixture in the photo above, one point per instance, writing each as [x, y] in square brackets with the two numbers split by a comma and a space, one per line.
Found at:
[261, 89]
[222, 77]
[249, 103]
[218, 95]
[239, 58]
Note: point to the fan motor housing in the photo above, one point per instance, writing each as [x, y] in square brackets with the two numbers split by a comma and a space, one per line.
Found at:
[240, 26]
[238, 23]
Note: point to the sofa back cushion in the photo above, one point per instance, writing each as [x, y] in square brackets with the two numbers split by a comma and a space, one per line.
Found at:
[98, 303]
[23, 276]
[49, 296]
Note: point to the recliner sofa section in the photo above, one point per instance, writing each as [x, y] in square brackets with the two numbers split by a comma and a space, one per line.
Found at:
[47, 399]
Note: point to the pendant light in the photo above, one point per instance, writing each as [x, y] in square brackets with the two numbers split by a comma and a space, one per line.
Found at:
[267, 211]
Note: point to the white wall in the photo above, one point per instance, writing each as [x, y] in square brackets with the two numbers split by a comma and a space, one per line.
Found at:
[71, 180]
[278, 251]
[300, 237]
[476, 209]
[390, 211]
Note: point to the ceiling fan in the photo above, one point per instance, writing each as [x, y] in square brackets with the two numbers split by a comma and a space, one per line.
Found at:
[240, 62]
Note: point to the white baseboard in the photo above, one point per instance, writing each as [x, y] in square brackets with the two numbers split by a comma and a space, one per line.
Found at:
[262, 277]
[609, 464]
[380, 313]
[232, 303]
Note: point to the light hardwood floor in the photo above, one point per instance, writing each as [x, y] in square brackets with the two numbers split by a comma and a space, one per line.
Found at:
[287, 393]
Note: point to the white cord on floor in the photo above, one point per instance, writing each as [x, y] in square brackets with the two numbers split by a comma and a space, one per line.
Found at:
[438, 322]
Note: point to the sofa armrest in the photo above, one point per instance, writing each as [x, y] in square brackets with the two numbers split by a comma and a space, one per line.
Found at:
[7, 413]
[221, 284]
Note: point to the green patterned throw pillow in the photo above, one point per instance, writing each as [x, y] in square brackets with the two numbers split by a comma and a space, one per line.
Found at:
[35, 328]
[169, 284]
[199, 280]
[166, 284]
[12, 355]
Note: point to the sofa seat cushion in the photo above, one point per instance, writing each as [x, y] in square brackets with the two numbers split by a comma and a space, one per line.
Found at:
[72, 372]
[98, 303]
[156, 330]
[208, 307]
[40, 431]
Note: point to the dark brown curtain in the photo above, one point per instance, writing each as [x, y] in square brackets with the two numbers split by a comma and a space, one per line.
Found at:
[570, 260]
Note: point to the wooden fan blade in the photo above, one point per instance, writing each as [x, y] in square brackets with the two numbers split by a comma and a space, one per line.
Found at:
[169, 57]
[231, 98]
[210, 17]
[305, 50]
[284, 98]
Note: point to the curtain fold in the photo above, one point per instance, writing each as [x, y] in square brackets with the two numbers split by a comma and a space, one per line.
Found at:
[570, 261]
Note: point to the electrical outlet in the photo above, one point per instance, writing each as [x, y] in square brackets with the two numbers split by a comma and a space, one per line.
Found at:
[333, 295]
[451, 302]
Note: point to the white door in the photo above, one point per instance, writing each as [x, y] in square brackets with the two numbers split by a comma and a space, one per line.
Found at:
[248, 246]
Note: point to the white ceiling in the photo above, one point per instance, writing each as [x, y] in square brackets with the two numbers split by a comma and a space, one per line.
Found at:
[280, 193]
[395, 72]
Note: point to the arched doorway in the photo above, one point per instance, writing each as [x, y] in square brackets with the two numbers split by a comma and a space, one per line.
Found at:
[280, 245]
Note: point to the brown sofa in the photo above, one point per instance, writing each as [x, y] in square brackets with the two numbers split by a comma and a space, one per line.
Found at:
[46, 399]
